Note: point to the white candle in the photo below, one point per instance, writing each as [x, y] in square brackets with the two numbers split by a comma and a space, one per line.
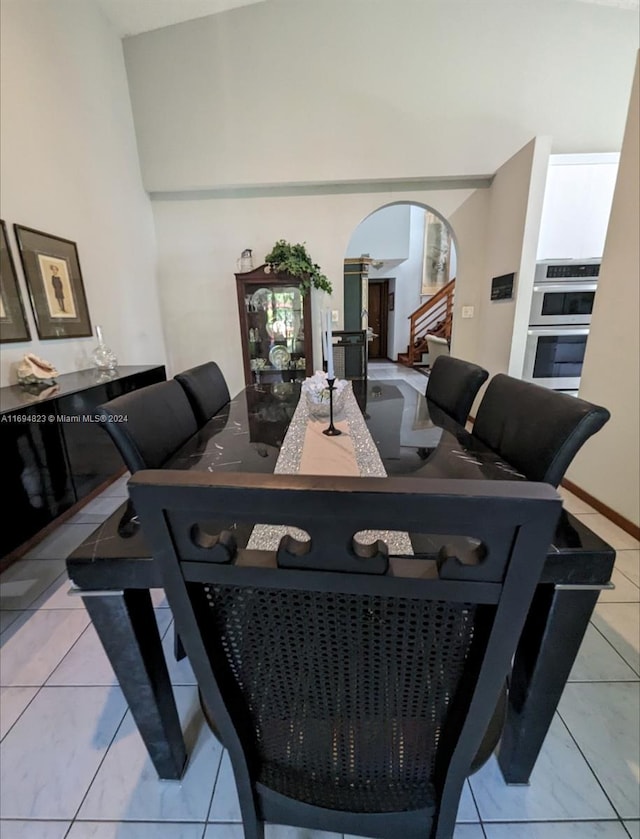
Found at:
[330, 371]
[323, 331]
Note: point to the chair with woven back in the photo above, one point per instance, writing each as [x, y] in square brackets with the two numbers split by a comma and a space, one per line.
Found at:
[352, 689]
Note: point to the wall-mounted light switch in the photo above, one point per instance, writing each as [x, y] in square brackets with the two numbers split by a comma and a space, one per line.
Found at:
[467, 311]
[335, 316]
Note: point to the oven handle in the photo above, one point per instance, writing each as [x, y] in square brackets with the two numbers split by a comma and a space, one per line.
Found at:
[542, 331]
[565, 287]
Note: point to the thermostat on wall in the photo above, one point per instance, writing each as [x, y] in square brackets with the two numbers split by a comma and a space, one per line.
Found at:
[502, 287]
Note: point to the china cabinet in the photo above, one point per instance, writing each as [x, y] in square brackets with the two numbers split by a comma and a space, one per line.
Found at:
[275, 327]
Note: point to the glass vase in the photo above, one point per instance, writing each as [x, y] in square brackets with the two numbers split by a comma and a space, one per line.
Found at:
[103, 357]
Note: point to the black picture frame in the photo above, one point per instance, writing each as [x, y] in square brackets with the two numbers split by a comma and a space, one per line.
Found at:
[13, 320]
[54, 280]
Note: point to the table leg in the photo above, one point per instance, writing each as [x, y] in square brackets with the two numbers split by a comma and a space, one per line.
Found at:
[126, 625]
[550, 641]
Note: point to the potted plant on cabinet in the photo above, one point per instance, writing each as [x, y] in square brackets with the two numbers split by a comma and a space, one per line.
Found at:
[285, 258]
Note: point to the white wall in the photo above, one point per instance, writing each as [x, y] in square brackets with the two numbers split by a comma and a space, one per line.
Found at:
[498, 236]
[69, 167]
[577, 204]
[395, 234]
[608, 467]
[383, 235]
[470, 223]
[199, 242]
[408, 283]
[291, 91]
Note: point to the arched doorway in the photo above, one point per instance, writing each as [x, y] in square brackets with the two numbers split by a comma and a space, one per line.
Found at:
[398, 258]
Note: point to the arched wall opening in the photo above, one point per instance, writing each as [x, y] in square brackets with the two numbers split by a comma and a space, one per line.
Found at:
[397, 258]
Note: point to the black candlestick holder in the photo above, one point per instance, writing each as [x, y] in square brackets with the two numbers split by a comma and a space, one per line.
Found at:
[332, 431]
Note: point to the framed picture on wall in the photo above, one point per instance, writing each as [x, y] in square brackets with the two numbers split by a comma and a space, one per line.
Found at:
[52, 271]
[13, 322]
[437, 254]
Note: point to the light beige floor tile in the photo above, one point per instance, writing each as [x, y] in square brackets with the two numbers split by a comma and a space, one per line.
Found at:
[556, 830]
[7, 618]
[118, 487]
[604, 720]
[135, 830]
[13, 701]
[57, 596]
[620, 624]
[597, 661]
[159, 598]
[633, 828]
[86, 663]
[224, 831]
[629, 563]
[610, 532]
[20, 829]
[573, 504]
[562, 788]
[24, 581]
[36, 643]
[97, 510]
[127, 788]
[625, 591]
[53, 751]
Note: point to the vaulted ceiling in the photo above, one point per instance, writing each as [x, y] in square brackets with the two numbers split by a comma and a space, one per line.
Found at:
[130, 17]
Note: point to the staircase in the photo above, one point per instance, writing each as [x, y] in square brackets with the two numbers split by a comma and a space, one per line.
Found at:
[435, 317]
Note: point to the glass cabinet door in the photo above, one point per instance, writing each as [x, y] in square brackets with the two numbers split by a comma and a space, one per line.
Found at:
[274, 326]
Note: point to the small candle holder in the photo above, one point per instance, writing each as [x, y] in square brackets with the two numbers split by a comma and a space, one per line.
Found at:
[332, 431]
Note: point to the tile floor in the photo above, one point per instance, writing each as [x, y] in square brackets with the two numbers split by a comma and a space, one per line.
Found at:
[72, 765]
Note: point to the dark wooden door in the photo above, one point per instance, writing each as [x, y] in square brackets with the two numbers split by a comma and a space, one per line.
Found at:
[378, 309]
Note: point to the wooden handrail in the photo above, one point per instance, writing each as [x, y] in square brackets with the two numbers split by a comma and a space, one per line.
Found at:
[436, 310]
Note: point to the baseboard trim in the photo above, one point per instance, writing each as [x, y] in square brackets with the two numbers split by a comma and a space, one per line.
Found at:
[625, 524]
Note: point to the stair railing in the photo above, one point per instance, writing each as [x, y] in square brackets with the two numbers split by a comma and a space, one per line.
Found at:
[436, 311]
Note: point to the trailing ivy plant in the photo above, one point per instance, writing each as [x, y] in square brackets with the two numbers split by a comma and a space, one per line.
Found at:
[285, 258]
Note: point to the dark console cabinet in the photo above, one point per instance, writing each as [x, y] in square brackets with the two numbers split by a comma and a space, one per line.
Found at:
[53, 453]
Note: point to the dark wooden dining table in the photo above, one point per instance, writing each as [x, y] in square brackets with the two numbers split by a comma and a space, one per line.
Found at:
[113, 569]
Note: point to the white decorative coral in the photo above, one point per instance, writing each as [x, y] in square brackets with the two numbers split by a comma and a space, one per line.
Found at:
[33, 369]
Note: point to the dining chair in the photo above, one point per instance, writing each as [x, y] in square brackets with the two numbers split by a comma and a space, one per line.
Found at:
[536, 430]
[352, 689]
[206, 390]
[148, 426]
[453, 385]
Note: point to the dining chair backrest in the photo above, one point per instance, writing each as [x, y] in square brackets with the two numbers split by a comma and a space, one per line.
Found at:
[537, 430]
[352, 690]
[206, 390]
[149, 425]
[453, 385]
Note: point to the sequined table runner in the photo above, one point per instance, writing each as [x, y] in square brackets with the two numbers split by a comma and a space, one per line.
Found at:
[305, 446]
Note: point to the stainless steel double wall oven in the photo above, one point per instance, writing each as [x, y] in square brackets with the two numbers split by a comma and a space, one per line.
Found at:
[561, 308]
